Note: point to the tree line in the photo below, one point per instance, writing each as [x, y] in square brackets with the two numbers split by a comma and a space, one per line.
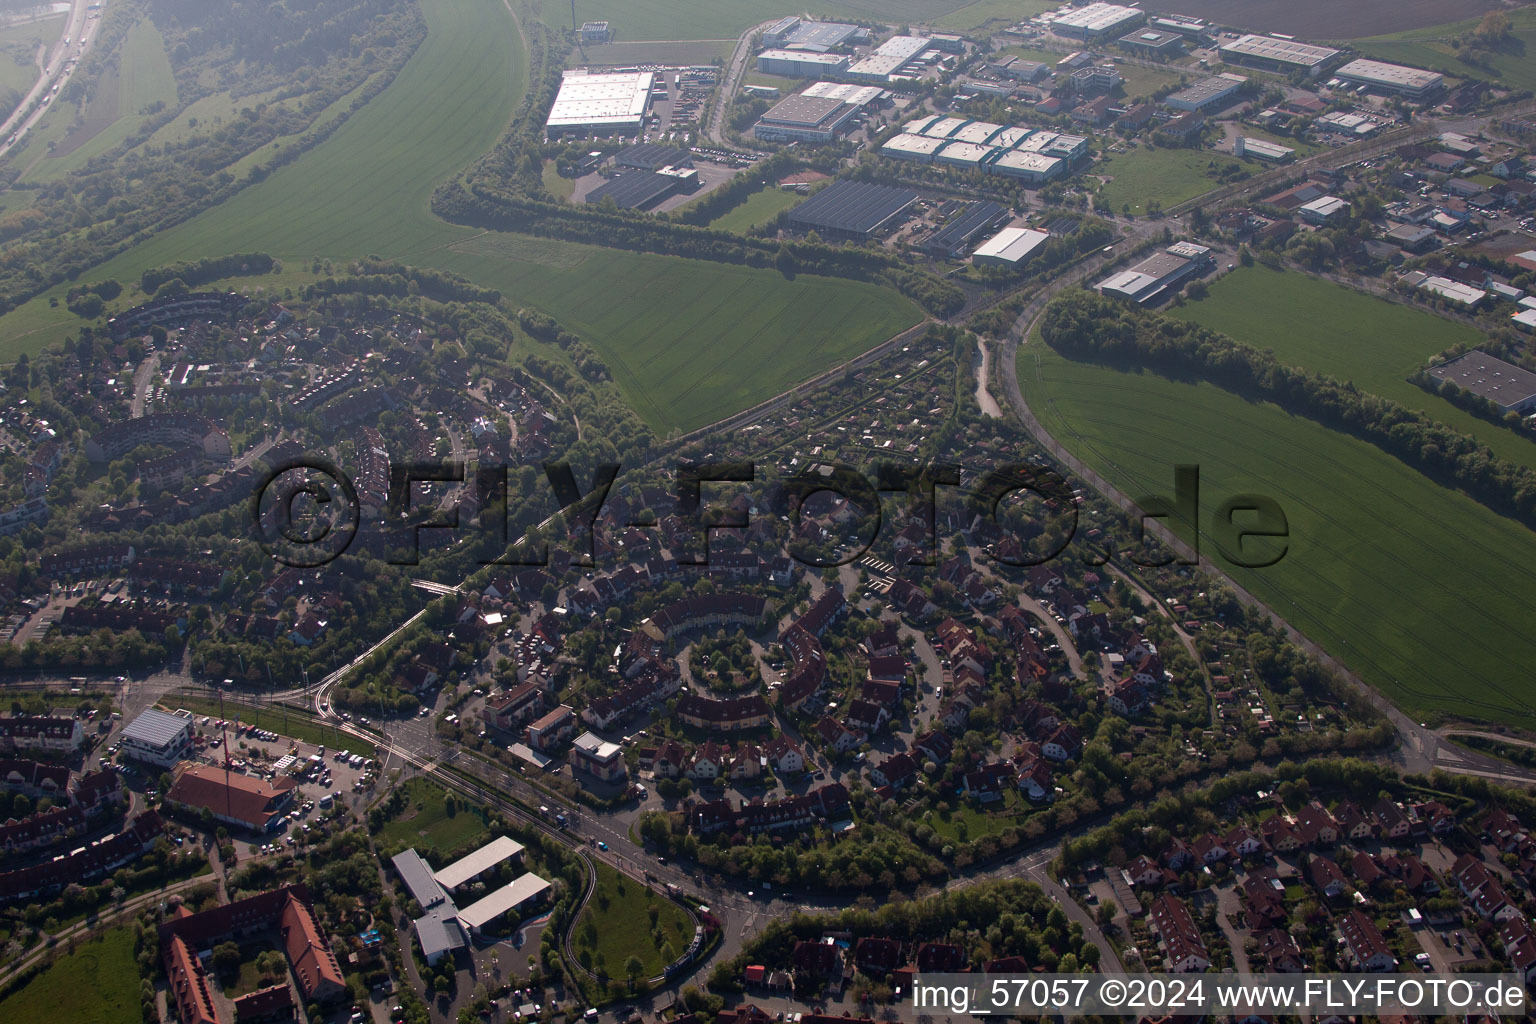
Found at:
[1084, 325]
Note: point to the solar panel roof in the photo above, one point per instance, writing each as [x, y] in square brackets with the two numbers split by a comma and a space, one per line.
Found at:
[852, 206]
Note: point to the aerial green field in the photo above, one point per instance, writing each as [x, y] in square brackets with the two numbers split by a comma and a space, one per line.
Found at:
[293, 724]
[616, 924]
[1168, 176]
[760, 208]
[992, 14]
[1431, 48]
[1330, 329]
[1417, 588]
[96, 984]
[689, 342]
[426, 824]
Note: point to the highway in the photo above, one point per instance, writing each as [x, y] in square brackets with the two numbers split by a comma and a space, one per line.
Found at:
[58, 66]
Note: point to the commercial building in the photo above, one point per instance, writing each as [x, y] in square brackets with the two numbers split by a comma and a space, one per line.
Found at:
[1194, 28]
[1452, 291]
[811, 36]
[1322, 210]
[1206, 93]
[443, 928]
[802, 118]
[1010, 247]
[471, 866]
[652, 156]
[963, 154]
[1414, 83]
[860, 96]
[598, 757]
[1159, 275]
[1273, 54]
[799, 64]
[158, 738]
[600, 103]
[888, 60]
[907, 146]
[1096, 21]
[641, 190]
[1262, 149]
[514, 897]
[1510, 387]
[553, 729]
[1152, 42]
[852, 210]
[233, 798]
[963, 229]
[1032, 168]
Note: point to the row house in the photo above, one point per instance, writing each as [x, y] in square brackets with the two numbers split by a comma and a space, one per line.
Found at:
[826, 804]
[41, 734]
[34, 779]
[1364, 946]
[85, 864]
[1519, 947]
[730, 714]
[654, 686]
[709, 611]
[1183, 948]
[1482, 889]
[507, 711]
[807, 667]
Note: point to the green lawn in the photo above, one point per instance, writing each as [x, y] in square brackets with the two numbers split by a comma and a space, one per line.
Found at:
[295, 724]
[968, 820]
[616, 924]
[18, 51]
[1141, 80]
[96, 984]
[688, 341]
[1169, 176]
[426, 824]
[558, 186]
[992, 15]
[1430, 48]
[760, 208]
[1330, 329]
[1419, 589]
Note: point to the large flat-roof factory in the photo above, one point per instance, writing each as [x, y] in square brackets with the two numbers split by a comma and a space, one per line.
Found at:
[1032, 155]
[1510, 387]
[1159, 275]
[852, 210]
[1097, 21]
[600, 102]
[818, 114]
[1415, 83]
[1275, 54]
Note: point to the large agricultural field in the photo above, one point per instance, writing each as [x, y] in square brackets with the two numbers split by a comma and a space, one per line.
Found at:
[727, 19]
[96, 984]
[1430, 47]
[1417, 588]
[1330, 329]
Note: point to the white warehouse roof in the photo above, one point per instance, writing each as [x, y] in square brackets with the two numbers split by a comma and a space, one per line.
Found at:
[1011, 244]
[155, 728]
[596, 100]
[481, 913]
[500, 849]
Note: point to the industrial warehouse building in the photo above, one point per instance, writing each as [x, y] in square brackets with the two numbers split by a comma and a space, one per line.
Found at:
[641, 190]
[1153, 42]
[964, 228]
[1273, 54]
[1009, 247]
[651, 156]
[811, 36]
[1097, 21]
[1206, 93]
[797, 64]
[1414, 83]
[1510, 387]
[1271, 151]
[1160, 275]
[889, 59]
[600, 103]
[852, 210]
[818, 114]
